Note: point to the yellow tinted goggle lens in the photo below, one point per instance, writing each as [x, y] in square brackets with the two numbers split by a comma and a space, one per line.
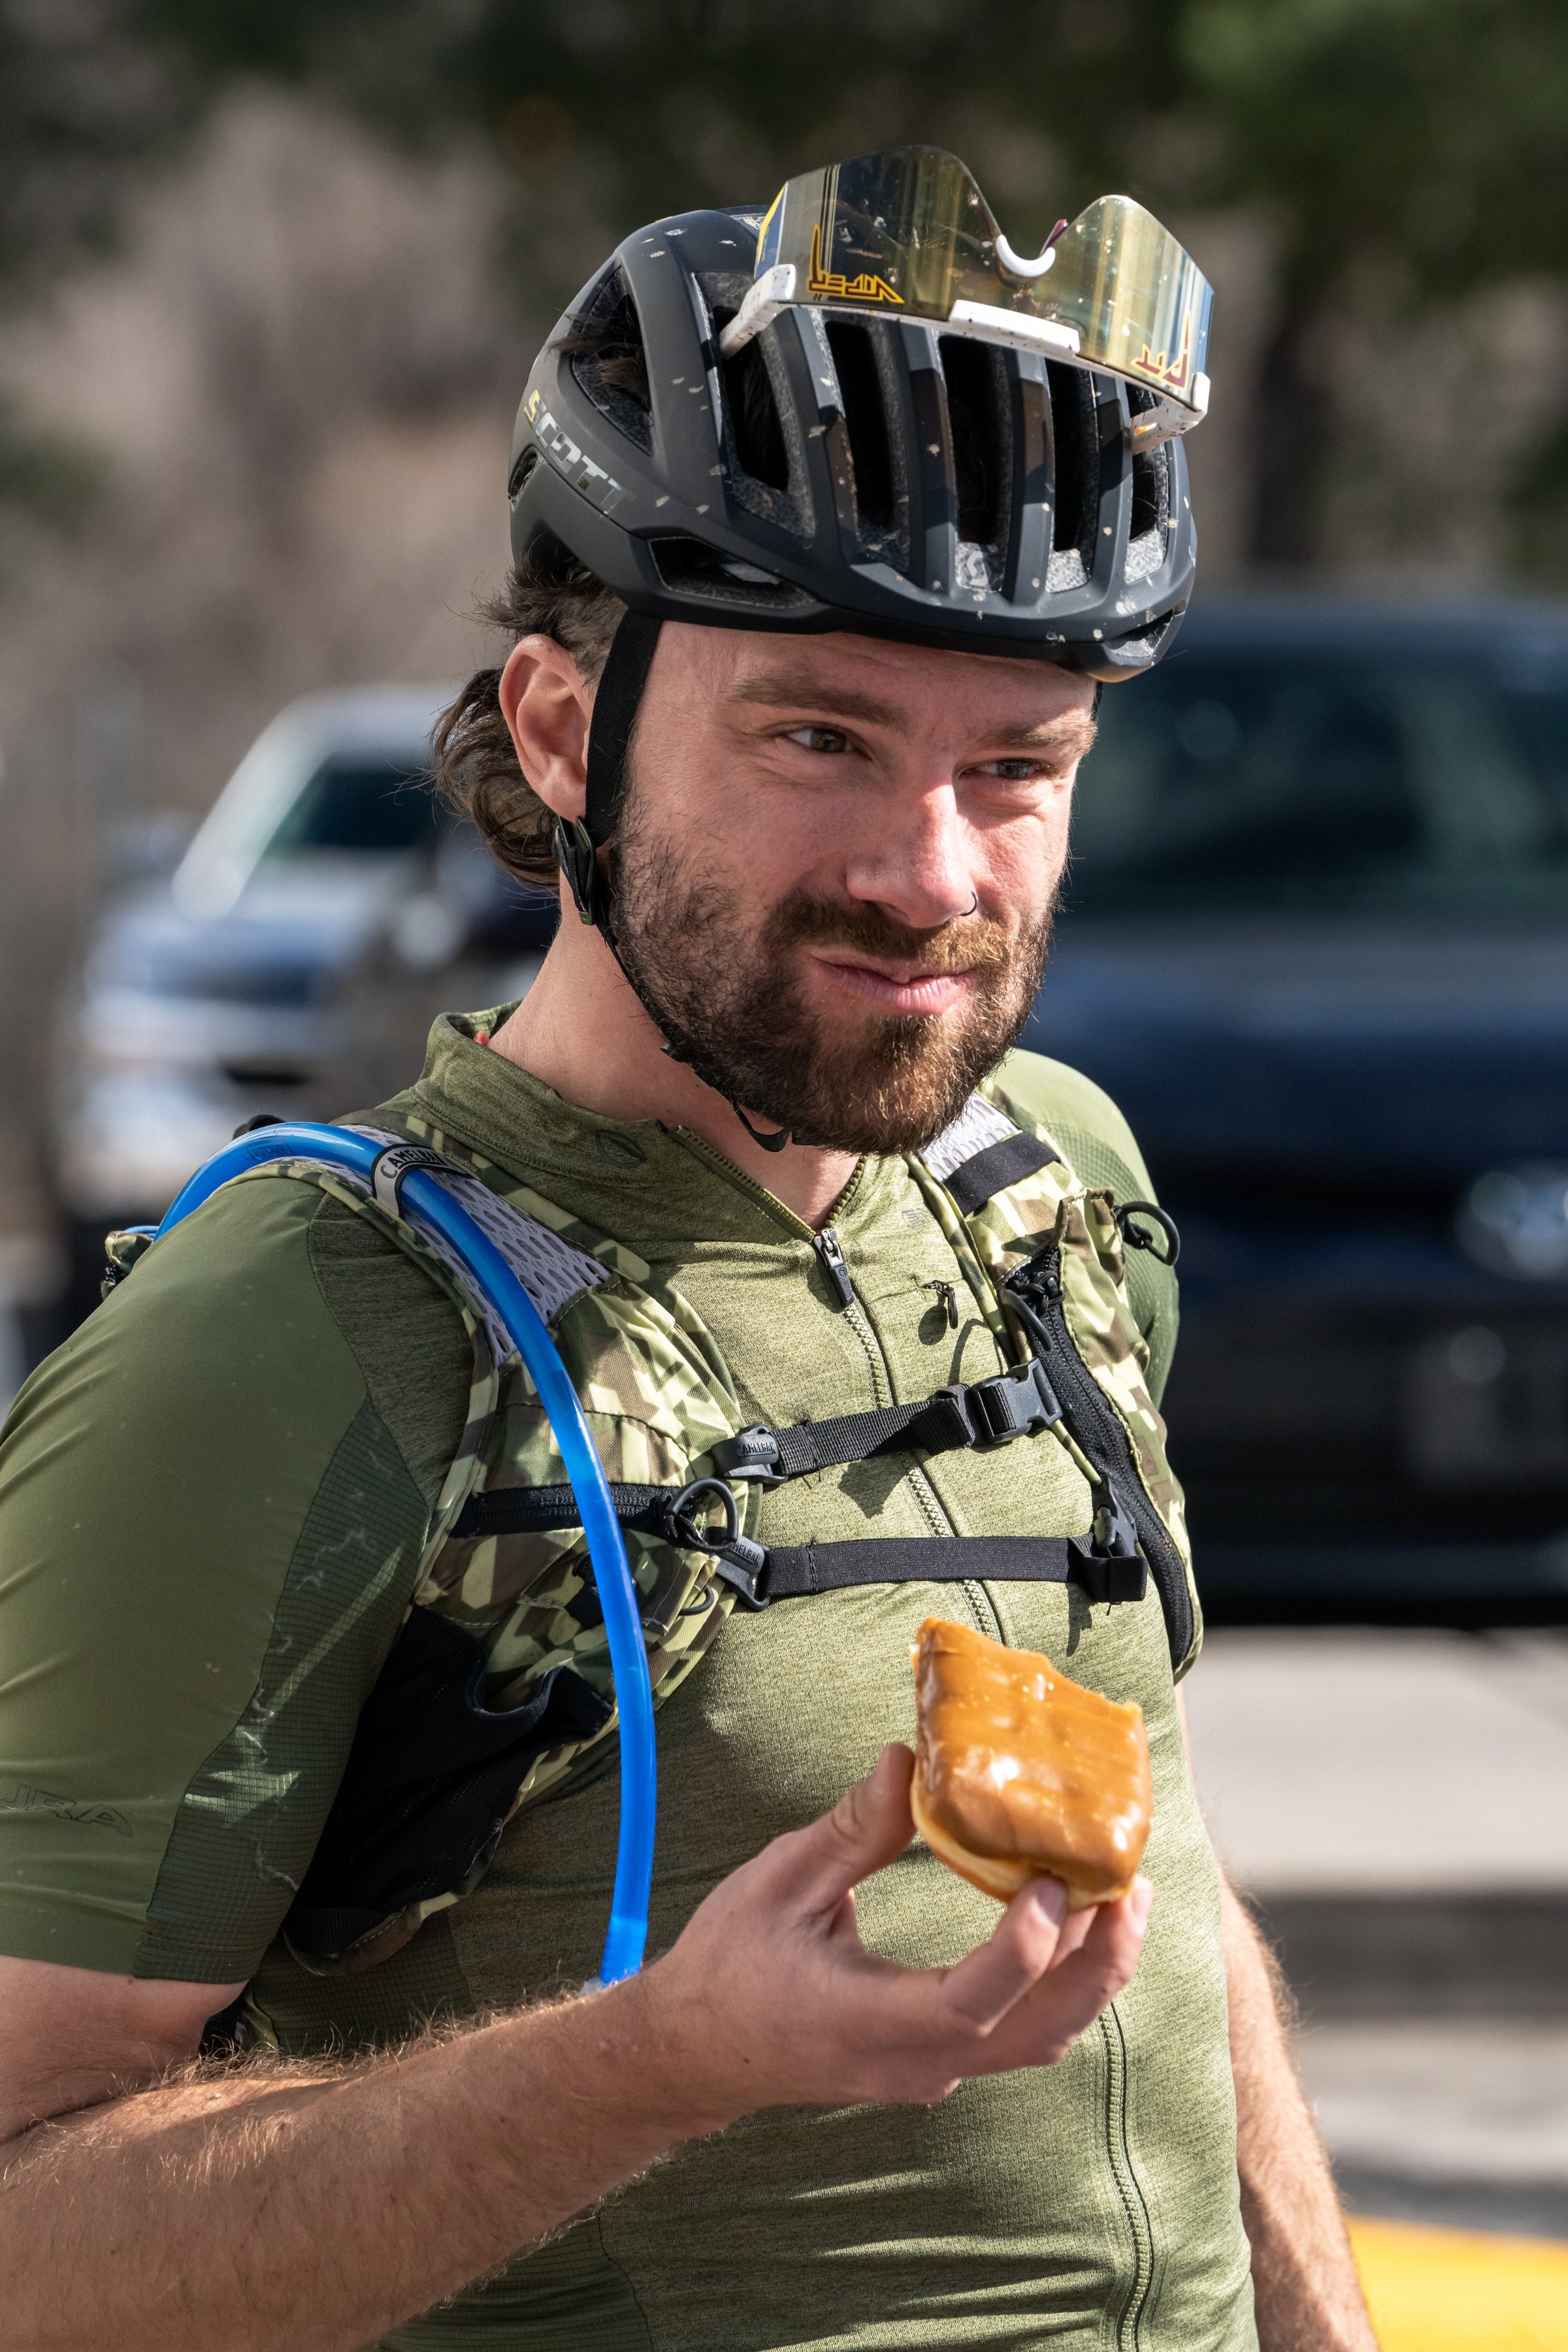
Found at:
[908, 229]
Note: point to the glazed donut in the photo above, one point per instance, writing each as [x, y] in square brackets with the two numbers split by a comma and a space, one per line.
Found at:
[1021, 1773]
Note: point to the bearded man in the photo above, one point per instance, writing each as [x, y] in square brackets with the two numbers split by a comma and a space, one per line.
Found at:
[811, 607]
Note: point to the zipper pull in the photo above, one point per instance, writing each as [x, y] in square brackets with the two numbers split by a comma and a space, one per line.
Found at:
[828, 1247]
[947, 1299]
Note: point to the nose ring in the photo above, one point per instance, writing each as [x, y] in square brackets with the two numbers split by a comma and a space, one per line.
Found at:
[972, 907]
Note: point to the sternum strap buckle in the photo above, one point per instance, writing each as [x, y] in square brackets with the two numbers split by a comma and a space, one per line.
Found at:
[1013, 1404]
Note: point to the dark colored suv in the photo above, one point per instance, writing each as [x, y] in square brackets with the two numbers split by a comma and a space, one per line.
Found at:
[1315, 942]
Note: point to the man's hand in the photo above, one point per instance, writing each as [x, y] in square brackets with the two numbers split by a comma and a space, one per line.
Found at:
[810, 2017]
[346, 2199]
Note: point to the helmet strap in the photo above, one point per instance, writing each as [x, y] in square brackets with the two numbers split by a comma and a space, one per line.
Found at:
[771, 1139]
[616, 700]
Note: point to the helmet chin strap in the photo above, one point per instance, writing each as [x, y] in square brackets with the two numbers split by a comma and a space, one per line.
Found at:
[616, 700]
[620, 688]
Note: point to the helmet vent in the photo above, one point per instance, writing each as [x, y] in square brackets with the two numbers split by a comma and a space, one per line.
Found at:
[693, 569]
[974, 374]
[1145, 554]
[1075, 436]
[1150, 498]
[606, 352]
[760, 446]
[1151, 493]
[524, 467]
[866, 419]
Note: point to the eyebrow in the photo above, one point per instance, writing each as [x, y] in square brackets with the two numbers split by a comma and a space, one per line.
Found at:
[1070, 732]
[842, 700]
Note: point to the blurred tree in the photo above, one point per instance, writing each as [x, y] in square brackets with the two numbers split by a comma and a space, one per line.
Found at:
[89, 101]
[685, 101]
[1415, 148]
[47, 477]
[88, 96]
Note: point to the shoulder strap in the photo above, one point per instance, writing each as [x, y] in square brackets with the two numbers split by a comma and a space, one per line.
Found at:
[553, 1271]
[1051, 1251]
[983, 1153]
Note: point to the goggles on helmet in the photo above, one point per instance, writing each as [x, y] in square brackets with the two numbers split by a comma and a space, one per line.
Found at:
[906, 232]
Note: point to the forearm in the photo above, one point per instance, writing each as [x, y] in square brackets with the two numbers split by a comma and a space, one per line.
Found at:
[1304, 2280]
[319, 2209]
[246, 2211]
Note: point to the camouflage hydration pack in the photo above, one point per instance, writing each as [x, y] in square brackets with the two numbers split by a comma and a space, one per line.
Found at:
[498, 1691]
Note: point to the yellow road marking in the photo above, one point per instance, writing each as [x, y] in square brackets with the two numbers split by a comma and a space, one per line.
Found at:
[1461, 2290]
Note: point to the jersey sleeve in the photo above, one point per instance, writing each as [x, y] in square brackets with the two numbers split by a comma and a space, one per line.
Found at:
[210, 1522]
[1099, 1143]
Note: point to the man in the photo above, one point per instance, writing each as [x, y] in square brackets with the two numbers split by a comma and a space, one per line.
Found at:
[817, 846]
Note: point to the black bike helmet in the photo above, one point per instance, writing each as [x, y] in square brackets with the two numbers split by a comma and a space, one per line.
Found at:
[726, 435]
[849, 467]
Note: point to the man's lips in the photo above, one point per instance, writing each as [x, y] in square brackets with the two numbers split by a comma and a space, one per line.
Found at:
[894, 987]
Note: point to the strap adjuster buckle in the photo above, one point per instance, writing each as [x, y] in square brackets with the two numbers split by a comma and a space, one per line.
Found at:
[736, 1558]
[744, 1565]
[1013, 1404]
[1103, 1579]
[752, 1453]
[1110, 1564]
[577, 857]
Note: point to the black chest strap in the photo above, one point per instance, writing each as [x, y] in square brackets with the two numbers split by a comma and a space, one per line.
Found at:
[788, 1570]
[982, 1415]
[765, 1572]
[1112, 1563]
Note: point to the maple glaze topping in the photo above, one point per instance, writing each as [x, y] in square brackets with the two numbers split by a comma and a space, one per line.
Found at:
[1020, 1773]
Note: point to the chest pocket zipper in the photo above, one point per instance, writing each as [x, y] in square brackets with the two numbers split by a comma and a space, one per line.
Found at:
[830, 1252]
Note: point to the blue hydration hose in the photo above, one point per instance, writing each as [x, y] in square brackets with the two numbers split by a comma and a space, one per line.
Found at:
[494, 1281]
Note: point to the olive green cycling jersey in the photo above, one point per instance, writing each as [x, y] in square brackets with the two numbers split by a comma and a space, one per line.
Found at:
[212, 1505]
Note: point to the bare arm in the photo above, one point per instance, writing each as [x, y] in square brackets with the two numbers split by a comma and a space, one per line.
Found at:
[1304, 2279]
[320, 2207]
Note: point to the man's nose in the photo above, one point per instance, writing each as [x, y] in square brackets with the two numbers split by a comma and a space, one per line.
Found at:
[916, 863]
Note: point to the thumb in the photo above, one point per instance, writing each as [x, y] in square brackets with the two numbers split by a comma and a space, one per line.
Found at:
[869, 1827]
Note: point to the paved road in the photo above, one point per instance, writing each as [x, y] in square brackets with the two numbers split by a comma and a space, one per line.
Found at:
[1398, 1804]
[1375, 1762]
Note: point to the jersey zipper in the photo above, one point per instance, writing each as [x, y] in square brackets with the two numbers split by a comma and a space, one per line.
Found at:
[830, 1256]
[834, 1265]
[830, 1251]
[737, 1177]
[1095, 1425]
[1129, 2189]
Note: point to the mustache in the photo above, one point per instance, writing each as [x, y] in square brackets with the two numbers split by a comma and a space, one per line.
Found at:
[969, 943]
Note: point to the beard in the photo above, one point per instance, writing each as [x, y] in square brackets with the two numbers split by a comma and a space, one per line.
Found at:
[729, 998]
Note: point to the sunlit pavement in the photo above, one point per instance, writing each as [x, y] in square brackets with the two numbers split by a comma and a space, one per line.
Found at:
[1398, 1805]
[1372, 1762]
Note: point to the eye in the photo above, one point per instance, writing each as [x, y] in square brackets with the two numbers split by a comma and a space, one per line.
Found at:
[1018, 772]
[827, 742]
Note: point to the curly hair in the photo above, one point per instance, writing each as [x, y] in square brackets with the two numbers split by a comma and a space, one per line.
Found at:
[473, 760]
[551, 596]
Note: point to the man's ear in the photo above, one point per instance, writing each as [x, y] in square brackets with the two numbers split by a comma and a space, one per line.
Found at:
[547, 703]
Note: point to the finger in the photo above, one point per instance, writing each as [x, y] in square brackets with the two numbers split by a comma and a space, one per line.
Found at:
[1075, 1927]
[868, 1828]
[983, 1988]
[1050, 2018]
[1113, 1937]
[1078, 1924]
